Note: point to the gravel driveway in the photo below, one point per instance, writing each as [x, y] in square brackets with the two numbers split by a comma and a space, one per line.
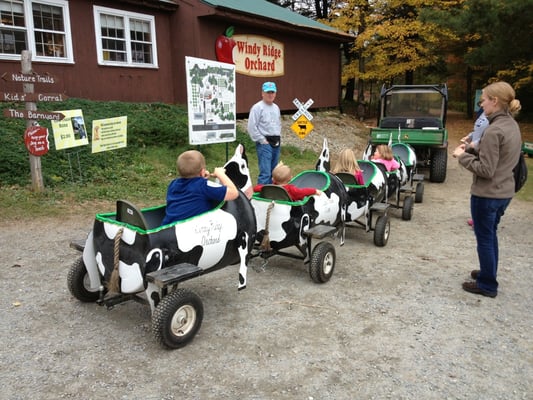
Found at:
[392, 323]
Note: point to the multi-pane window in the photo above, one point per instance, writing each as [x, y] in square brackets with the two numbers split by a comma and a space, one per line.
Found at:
[12, 27]
[49, 30]
[40, 26]
[124, 38]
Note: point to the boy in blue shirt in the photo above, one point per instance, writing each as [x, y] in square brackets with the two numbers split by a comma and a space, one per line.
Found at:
[192, 193]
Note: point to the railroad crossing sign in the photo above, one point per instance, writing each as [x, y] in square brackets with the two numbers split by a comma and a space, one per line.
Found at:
[302, 126]
[302, 109]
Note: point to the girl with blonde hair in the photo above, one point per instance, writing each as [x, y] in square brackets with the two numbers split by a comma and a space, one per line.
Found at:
[383, 154]
[348, 163]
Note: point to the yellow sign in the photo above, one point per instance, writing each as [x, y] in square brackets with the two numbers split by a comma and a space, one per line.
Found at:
[109, 134]
[70, 131]
[302, 126]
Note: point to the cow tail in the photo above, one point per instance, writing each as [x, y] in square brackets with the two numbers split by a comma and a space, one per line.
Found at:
[265, 243]
[113, 285]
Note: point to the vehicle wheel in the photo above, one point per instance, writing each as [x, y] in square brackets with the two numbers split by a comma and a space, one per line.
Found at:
[407, 210]
[419, 194]
[437, 167]
[78, 283]
[322, 262]
[177, 318]
[382, 231]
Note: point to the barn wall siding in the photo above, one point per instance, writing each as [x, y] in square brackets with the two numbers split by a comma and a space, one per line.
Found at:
[311, 65]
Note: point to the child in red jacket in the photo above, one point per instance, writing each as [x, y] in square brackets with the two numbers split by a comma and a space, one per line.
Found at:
[281, 175]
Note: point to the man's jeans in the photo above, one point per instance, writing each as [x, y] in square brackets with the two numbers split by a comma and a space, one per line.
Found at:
[267, 159]
[486, 215]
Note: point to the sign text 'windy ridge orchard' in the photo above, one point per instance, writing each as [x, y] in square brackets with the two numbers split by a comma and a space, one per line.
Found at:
[258, 56]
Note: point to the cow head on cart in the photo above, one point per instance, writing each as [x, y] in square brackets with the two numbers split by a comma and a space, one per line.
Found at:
[360, 197]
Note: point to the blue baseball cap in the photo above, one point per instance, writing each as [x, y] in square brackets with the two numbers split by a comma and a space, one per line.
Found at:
[269, 87]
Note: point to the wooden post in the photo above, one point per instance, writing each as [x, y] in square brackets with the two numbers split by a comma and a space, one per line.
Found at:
[35, 161]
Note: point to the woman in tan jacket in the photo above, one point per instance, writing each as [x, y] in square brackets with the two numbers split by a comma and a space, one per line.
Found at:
[493, 181]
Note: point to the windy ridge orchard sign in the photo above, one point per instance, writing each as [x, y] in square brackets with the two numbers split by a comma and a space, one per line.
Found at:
[251, 54]
[258, 56]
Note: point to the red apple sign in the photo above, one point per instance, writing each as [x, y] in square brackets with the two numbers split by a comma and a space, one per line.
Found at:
[224, 46]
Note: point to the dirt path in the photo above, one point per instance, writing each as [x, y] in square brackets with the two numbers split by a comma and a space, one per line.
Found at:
[392, 323]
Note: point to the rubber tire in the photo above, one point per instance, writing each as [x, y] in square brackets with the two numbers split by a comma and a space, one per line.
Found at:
[78, 283]
[382, 231]
[179, 303]
[437, 167]
[322, 262]
[407, 210]
[419, 193]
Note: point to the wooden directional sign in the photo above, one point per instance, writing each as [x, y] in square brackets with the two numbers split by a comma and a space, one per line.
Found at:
[33, 115]
[32, 97]
[302, 126]
[302, 109]
[28, 78]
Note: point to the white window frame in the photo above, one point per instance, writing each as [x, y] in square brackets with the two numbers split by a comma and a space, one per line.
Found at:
[126, 16]
[30, 33]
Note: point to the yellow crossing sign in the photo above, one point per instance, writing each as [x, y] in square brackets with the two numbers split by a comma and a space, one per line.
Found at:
[302, 126]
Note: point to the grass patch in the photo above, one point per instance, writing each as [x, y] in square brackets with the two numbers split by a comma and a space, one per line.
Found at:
[73, 178]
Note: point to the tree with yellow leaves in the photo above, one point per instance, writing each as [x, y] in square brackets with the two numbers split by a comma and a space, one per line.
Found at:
[392, 37]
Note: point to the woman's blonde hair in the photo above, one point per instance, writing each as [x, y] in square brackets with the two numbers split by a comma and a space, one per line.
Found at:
[505, 94]
[347, 162]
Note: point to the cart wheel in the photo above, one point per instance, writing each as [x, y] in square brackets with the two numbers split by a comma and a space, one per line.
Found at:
[78, 283]
[177, 318]
[419, 194]
[322, 262]
[382, 231]
[407, 211]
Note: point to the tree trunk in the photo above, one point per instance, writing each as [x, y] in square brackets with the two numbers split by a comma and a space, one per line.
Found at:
[350, 89]
[409, 77]
[469, 96]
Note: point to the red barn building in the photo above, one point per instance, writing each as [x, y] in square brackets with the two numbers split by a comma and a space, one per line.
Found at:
[134, 50]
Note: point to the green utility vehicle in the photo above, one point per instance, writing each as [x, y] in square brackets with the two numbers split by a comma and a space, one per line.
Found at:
[527, 148]
[416, 115]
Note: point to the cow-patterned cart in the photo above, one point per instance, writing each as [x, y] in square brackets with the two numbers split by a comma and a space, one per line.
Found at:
[283, 223]
[128, 255]
[399, 192]
[367, 201]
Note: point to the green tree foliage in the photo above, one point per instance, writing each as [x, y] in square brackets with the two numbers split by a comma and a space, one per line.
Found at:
[392, 37]
[496, 42]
